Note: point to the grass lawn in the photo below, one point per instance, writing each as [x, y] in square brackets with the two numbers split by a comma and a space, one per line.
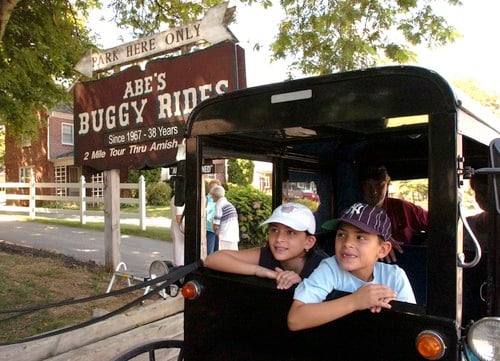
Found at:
[160, 233]
[32, 277]
[153, 232]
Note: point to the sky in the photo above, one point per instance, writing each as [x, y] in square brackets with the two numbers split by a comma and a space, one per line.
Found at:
[474, 56]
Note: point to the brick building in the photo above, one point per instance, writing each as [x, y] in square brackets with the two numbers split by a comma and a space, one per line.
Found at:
[50, 156]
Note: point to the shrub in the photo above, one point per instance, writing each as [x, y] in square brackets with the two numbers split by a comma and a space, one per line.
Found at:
[253, 207]
[240, 171]
[312, 205]
[150, 176]
[158, 194]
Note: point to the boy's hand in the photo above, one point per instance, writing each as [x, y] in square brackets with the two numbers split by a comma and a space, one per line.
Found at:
[374, 297]
[286, 279]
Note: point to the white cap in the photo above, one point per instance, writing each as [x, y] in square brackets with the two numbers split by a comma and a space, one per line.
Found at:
[294, 215]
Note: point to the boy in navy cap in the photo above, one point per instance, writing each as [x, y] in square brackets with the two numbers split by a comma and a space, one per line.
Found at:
[363, 236]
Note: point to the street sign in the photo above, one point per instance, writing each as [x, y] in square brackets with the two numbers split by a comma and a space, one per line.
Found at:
[205, 169]
[212, 29]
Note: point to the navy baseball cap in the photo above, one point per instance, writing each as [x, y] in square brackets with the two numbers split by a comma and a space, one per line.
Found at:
[367, 218]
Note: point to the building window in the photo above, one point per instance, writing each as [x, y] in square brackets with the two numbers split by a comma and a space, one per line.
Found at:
[60, 177]
[25, 174]
[97, 178]
[264, 183]
[67, 133]
[25, 140]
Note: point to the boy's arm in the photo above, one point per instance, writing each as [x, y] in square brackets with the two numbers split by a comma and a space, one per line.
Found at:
[245, 262]
[307, 315]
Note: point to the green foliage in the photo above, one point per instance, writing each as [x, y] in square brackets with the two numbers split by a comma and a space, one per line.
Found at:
[158, 194]
[146, 17]
[253, 207]
[42, 42]
[490, 100]
[312, 205]
[240, 171]
[150, 175]
[414, 190]
[325, 37]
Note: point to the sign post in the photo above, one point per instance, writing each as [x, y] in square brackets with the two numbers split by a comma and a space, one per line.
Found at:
[136, 118]
[112, 233]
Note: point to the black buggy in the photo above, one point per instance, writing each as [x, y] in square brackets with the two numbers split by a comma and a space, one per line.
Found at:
[317, 131]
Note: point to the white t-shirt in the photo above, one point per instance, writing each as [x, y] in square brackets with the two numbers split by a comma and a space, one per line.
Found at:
[226, 217]
[329, 276]
[177, 232]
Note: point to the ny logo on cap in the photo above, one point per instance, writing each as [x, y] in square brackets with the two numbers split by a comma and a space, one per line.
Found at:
[356, 208]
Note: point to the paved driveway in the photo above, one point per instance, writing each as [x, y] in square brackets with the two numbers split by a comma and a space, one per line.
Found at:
[136, 252]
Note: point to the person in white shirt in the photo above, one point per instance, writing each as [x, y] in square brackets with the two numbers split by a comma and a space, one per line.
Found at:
[226, 225]
[177, 230]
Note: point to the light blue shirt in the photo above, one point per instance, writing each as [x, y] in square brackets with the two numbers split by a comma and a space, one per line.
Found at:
[210, 213]
[329, 276]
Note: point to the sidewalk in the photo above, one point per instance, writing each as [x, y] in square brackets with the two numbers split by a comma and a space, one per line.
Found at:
[83, 244]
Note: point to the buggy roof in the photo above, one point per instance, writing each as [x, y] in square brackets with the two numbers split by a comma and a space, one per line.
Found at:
[320, 106]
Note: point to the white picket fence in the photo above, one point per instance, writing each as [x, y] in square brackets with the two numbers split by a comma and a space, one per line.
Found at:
[33, 194]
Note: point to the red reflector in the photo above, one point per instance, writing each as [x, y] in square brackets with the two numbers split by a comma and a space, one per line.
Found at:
[191, 290]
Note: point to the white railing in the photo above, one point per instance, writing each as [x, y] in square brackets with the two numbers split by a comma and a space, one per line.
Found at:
[32, 194]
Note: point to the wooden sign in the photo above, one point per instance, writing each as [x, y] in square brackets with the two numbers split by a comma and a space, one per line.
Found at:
[211, 29]
[136, 118]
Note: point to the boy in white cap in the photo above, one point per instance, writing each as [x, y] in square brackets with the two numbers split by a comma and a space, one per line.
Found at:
[290, 253]
[362, 238]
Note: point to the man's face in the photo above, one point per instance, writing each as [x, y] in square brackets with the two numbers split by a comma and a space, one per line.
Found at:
[374, 191]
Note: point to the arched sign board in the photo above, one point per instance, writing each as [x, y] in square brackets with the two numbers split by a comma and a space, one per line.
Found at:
[136, 119]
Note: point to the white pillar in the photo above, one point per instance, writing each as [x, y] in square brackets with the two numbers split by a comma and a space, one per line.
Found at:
[83, 201]
[142, 203]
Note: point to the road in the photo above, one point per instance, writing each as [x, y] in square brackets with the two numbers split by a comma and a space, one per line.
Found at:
[83, 244]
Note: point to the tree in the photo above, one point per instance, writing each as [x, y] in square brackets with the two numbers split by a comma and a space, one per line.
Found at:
[150, 175]
[322, 36]
[414, 190]
[6, 8]
[339, 35]
[490, 100]
[40, 43]
[240, 171]
[145, 17]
